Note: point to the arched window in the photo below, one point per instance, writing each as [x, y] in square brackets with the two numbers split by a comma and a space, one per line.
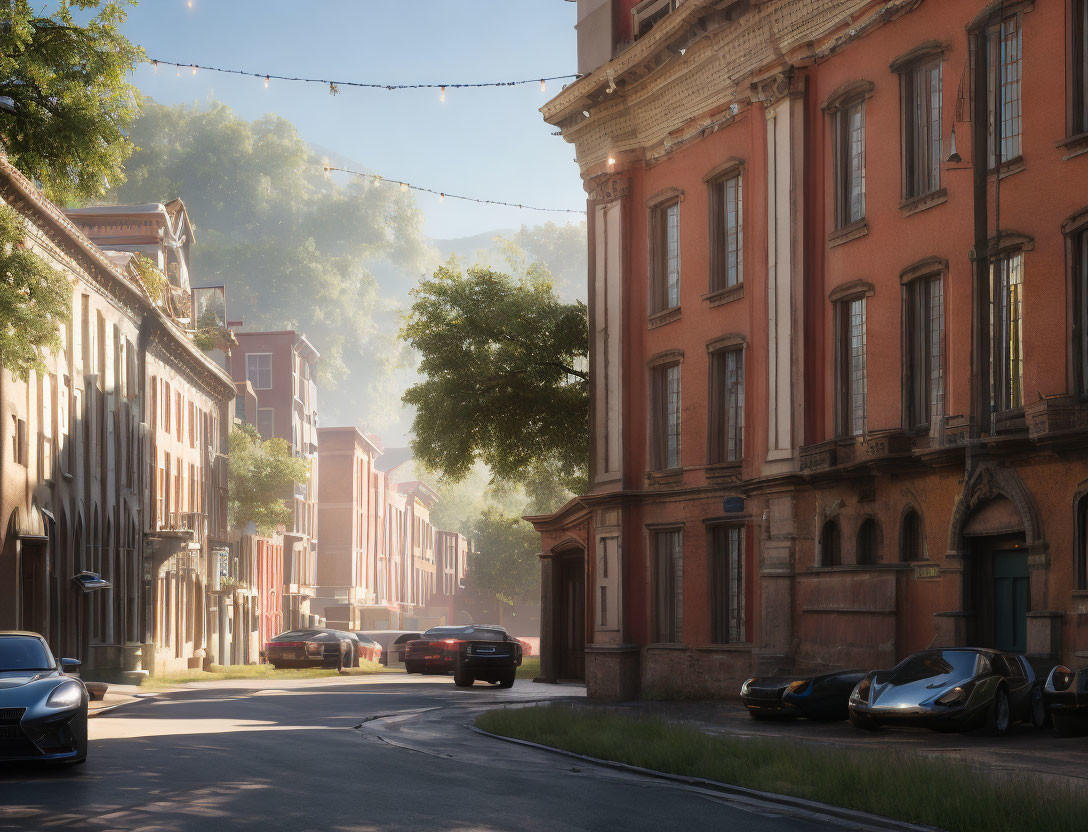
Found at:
[830, 545]
[910, 537]
[869, 542]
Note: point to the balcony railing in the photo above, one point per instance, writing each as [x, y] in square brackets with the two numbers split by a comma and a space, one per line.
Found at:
[191, 521]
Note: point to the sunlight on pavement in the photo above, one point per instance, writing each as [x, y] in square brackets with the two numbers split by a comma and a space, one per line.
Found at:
[123, 729]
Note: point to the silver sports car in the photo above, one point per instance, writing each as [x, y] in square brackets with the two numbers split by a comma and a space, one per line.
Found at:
[43, 710]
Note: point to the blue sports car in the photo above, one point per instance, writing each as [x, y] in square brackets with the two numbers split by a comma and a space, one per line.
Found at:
[43, 710]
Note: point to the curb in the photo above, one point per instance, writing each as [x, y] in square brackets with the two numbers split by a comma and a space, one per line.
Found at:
[97, 712]
[793, 806]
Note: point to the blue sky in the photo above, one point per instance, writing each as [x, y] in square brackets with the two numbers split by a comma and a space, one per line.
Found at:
[490, 143]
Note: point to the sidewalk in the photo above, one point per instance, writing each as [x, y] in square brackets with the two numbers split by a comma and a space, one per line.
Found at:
[116, 696]
[1023, 750]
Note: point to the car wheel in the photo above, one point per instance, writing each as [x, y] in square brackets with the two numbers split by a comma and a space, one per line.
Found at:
[412, 667]
[462, 679]
[864, 722]
[507, 679]
[997, 715]
[1040, 716]
[1068, 726]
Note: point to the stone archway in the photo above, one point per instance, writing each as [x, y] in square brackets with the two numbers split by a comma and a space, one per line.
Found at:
[997, 545]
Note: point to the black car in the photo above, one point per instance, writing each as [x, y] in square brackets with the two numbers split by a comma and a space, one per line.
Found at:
[824, 697]
[43, 711]
[489, 654]
[1066, 696]
[953, 689]
[435, 651]
[316, 647]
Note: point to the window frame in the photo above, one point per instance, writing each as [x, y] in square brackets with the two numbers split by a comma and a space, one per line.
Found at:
[721, 279]
[272, 417]
[659, 413]
[917, 166]
[670, 632]
[838, 109]
[845, 415]
[831, 528]
[727, 587]
[659, 284]
[725, 411]
[989, 36]
[1003, 396]
[875, 551]
[923, 345]
[256, 382]
[911, 515]
[1080, 541]
[1075, 232]
[1077, 69]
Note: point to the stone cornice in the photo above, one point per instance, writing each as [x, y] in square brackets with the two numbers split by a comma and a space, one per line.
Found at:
[693, 72]
[89, 260]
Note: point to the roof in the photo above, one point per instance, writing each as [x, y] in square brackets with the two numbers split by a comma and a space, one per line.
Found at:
[420, 489]
[361, 438]
[108, 210]
[393, 458]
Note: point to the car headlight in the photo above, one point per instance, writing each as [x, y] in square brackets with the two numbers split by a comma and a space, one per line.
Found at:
[956, 696]
[799, 688]
[862, 691]
[1061, 679]
[65, 696]
[744, 687]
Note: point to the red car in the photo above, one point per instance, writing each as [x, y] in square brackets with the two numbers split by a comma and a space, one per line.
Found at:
[435, 651]
[368, 649]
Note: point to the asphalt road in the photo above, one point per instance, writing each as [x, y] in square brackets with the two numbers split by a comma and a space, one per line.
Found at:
[349, 754]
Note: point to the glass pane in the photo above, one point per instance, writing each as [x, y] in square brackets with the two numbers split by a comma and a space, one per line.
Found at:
[672, 416]
[734, 232]
[855, 172]
[672, 256]
[934, 358]
[856, 366]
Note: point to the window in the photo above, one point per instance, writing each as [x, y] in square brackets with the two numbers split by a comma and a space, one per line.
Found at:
[848, 147]
[1078, 68]
[45, 426]
[266, 422]
[830, 545]
[726, 233]
[1006, 332]
[259, 370]
[179, 409]
[910, 537]
[665, 257]
[850, 366]
[668, 586]
[726, 405]
[1004, 71]
[166, 406]
[192, 425]
[924, 336]
[665, 417]
[922, 100]
[869, 543]
[1077, 247]
[1080, 534]
[727, 621]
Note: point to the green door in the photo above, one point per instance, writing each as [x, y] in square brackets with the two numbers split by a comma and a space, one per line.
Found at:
[1011, 600]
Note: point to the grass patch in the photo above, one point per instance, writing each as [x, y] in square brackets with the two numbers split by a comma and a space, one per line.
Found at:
[529, 667]
[924, 790]
[256, 671]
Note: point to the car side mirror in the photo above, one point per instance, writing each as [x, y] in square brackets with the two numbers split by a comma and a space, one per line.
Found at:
[70, 665]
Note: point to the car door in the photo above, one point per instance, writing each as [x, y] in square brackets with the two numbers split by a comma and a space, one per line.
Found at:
[1019, 686]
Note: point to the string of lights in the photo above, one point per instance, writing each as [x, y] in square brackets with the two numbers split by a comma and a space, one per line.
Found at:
[405, 186]
[334, 86]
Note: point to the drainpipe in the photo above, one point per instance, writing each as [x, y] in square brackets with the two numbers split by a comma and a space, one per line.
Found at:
[981, 290]
[143, 340]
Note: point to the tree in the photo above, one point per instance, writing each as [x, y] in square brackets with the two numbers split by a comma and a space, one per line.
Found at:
[506, 561]
[503, 376]
[35, 300]
[294, 249]
[70, 103]
[261, 475]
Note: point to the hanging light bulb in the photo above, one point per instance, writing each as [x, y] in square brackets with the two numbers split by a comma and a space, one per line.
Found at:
[155, 66]
[404, 186]
[194, 69]
[611, 159]
[179, 72]
[441, 197]
[442, 95]
[266, 82]
[543, 86]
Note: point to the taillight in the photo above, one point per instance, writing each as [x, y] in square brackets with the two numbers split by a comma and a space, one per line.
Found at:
[314, 647]
[284, 644]
[451, 641]
[1061, 678]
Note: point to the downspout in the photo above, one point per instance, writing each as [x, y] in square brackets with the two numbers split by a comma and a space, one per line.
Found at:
[981, 289]
[143, 340]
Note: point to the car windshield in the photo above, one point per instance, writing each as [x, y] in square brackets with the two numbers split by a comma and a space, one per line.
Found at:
[958, 664]
[24, 653]
[296, 635]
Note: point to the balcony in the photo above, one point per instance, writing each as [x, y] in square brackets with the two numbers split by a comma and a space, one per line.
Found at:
[188, 521]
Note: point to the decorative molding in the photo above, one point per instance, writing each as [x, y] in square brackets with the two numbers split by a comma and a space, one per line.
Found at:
[724, 296]
[664, 196]
[613, 188]
[987, 482]
[926, 267]
[1010, 241]
[666, 357]
[726, 170]
[923, 202]
[929, 49]
[848, 94]
[665, 316]
[1075, 221]
[772, 89]
[731, 340]
[855, 288]
[853, 231]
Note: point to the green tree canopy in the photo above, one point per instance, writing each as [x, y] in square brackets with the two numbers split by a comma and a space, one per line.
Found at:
[503, 376]
[35, 300]
[293, 248]
[70, 101]
[506, 562]
[261, 478]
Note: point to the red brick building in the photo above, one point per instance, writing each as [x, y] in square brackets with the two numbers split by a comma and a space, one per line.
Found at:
[839, 339]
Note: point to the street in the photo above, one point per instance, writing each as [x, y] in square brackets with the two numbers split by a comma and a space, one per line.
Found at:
[350, 754]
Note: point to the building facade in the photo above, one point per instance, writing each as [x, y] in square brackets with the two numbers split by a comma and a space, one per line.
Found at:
[77, 471]
[837, 300]
[279, 367]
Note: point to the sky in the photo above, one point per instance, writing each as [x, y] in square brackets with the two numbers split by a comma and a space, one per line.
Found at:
[490, 143]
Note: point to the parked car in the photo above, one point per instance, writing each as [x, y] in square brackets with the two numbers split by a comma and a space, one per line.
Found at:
[369, 649]
[393, 643]
[825, 697]
[435, 651]
[311, 648]
[489, 654]
[953, 689]
[43, 710]
[1066, 696]
[526, 647]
